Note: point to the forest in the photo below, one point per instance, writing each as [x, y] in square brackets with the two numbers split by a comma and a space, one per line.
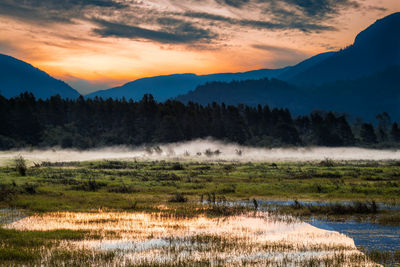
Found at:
[88, 123]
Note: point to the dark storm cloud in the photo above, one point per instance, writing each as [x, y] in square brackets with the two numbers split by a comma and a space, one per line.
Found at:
[178, 32]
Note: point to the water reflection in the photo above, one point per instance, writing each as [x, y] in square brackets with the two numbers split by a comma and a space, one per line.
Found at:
[161, 238]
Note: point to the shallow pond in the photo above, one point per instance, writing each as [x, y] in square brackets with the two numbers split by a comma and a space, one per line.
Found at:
[254, 238]
[8, 216]
[367, 235]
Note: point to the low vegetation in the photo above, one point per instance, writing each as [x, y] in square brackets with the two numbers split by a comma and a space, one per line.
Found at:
[188, 189]
[142, 185]
[116, 184]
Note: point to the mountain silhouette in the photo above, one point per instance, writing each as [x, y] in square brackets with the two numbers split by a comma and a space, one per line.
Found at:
[374, 49]
[271, 92]
[364, 97]
[17, 76]
[169, 86]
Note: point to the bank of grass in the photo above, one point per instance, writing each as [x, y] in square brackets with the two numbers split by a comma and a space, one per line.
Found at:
[27, 246]
[387, 258]
[358, 210]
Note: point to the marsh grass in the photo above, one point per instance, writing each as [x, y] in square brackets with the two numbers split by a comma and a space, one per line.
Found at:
[26, 246]
[337, 208]
[388, 258]
[164, 239]
[114, 184]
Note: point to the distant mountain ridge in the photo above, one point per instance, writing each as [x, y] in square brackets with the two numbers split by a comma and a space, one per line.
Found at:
[169, 86]
[374, 49]
[17, 76]
[363, 97]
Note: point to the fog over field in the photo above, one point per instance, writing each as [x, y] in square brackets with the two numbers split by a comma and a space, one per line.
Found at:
[201, 150]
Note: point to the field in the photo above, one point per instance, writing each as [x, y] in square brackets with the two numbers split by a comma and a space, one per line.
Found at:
[83, 202]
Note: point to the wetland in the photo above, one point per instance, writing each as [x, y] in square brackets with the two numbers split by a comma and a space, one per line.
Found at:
[202, 210]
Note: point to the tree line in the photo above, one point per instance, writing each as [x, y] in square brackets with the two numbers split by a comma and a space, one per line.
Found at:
[86, 123]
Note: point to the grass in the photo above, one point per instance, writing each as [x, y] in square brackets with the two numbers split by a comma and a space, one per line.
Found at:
[388, 258]
[179, 188]
[355, 208]
[27, 246]
[115, 184]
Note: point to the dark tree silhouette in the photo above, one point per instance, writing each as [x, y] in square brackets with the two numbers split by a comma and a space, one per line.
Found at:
[85, 123]
[367, 134]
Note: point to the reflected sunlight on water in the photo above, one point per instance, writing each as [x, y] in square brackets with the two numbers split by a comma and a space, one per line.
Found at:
[160, 238]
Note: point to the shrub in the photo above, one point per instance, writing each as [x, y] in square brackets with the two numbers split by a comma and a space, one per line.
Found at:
[89, 185]
[30, 188]
[178, 197]
[20, 165]
[327, 162]
[177, 167]
[227, 189]
[7, 192]
[122, 189]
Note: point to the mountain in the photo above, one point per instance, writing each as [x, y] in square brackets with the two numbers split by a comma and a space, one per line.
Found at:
[363, 97]
[17, 76]
[290, 72]
[374, 49]
[169, 86]
[271, 92]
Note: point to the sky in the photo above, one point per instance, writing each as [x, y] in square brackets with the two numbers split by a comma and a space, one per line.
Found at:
[98, 44]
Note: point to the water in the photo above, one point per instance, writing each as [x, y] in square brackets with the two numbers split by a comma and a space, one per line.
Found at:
[367, 235]
[259, 238]
[8, 216]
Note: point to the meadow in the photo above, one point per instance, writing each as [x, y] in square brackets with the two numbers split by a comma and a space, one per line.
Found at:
[170, 192]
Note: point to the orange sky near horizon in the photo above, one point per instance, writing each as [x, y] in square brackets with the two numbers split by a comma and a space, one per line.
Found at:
[97, 44]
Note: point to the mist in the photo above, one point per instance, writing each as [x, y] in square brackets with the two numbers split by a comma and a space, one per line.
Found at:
[201, 150]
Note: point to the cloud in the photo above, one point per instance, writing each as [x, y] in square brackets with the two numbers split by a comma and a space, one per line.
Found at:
[85, 86]
[281, 56]
[261, 24]
[7, 48]
[233, 3]
[176, 22]
[173, 31]
[54, 11]
[320, 9]
[303, 15]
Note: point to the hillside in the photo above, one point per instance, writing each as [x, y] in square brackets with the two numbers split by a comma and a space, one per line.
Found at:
[169, 86]
[17, 76]
[364, 97]
[373, 50]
